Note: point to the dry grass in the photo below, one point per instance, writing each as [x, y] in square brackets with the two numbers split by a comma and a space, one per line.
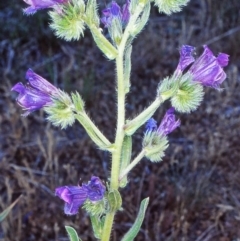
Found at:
[194, 193]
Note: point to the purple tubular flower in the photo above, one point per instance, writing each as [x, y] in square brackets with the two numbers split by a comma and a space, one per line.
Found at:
[114, 11]
[39, 83]
[186, 58]
[151, 125]
[36, 5]
[95, 189]
[168, 123]
[208, 69]
[36, 94]
[75, 196]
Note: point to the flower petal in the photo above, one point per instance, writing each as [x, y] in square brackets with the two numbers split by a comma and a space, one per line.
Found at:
[39, 83]
[168, 123]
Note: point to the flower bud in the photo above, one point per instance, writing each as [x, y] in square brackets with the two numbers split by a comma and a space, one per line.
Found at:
[69, 23]
[155, 141]
[37, 94]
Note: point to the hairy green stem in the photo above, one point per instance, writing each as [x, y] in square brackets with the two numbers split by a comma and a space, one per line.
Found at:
[102, 42]
[135, 123]
[94, 133]
[116, 155]
[96, 130]
[132, 164]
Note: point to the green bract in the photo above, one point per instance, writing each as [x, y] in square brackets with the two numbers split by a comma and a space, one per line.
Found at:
[188, 96]
[170, 6]
[60, 112]
[69, 24]
[154, 145]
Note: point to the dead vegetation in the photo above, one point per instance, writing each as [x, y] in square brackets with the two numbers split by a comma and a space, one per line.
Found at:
[194, 193]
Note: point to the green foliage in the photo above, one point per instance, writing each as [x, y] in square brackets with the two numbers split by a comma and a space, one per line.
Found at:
[5, 212]
[142, 20]
[167, 88]
[60, 112]
[170, 6]
[115, 31]
[93, 132]
[95, 208]
[114, 200]
[97, 225]
[73, 236]
[103, 44]
[132, 125]
[78, 102]
[134, 230]
[154, 145]
[127, 68]
[188, 96]
[92, 13]
[69, 24]
[125, 158]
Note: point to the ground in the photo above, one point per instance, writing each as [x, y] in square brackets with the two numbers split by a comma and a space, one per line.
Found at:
[194, 192]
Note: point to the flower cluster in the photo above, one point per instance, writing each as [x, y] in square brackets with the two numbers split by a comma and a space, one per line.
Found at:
[36, 5]
[36, 94]
[75, 196]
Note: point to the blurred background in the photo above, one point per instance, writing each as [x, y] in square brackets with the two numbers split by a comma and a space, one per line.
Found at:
[194, 192]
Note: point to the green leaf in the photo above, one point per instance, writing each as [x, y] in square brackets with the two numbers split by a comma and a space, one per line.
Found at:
[77, 101]
[114, 200]
[127, 68]
[72, 234]
[133, 231]
[125, 158]
[92, 12]
[97, 225]
[4, 214]
[142, 20]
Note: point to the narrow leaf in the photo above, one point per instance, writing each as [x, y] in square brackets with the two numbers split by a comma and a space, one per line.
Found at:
[127, 68]
[72, 234]
[142, 19]
[133, 231]
[4, 214]
[97, 226]
[125, 158]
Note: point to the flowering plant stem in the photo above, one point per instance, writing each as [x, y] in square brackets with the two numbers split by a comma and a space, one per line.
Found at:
[132, 164]
[116, 155]
[89, 126]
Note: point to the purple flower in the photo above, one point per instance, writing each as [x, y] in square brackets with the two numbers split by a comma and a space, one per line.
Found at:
[36, 5]
[208, 69]
[151, 125]
[75, 196]
[95, 189]
[186, 58]
[126, 12]
[114, 11]
[168, 123]
[36, 94]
